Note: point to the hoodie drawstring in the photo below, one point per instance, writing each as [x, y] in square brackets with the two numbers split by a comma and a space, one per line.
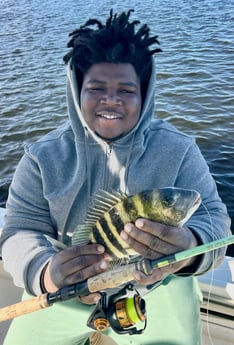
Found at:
[88, 165]
[127, 164]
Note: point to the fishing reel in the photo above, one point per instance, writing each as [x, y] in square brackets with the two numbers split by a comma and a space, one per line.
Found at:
[119, 312]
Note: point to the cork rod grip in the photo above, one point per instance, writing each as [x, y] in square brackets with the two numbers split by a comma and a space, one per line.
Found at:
[105, 280]
[24, 307]
[111, 279]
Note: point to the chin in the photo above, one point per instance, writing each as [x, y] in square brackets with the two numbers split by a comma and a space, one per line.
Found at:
[110, 139]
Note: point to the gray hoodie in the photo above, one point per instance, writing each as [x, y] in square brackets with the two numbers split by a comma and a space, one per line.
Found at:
[58, 175]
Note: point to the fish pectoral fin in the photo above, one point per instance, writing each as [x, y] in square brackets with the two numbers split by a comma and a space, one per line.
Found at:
[116, 262]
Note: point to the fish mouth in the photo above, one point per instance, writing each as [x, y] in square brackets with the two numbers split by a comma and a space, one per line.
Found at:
[190, 210]
[196, 203]
[109, 115]
[198, 200]
[194, 207]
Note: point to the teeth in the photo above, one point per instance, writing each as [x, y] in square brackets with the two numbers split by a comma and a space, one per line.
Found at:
[109, 116]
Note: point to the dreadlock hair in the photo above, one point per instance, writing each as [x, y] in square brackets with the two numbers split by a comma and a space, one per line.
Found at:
[116, 41]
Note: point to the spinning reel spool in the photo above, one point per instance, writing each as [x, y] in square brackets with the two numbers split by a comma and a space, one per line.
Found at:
[118, 312]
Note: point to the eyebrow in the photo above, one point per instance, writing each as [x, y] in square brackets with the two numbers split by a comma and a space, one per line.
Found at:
[127, 83]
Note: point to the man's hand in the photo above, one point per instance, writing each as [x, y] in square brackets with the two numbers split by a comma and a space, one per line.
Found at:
[153, 240]
[75, 264]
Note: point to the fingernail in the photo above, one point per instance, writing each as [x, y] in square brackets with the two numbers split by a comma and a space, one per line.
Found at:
[103, 265]
[124, 235]
[107, 257]
[139, 223]
[128, 228]
[100, 249]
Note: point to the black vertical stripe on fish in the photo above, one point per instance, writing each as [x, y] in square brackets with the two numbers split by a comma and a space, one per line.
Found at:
[107, 232]
[129, 209]
[139, 206]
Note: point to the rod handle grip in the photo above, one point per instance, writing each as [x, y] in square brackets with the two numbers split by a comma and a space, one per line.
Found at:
[24, 307]
[112, 278]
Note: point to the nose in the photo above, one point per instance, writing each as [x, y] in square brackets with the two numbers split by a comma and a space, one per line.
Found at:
[111, 98]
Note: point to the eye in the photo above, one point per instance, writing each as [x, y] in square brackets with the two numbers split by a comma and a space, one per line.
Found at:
[126, 91]
[95, 89]
[169, 201]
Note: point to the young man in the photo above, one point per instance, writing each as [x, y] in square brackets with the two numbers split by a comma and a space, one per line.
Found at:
[111, 142]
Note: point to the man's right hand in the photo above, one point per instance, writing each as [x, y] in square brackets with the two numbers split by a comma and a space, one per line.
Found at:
[76, 264]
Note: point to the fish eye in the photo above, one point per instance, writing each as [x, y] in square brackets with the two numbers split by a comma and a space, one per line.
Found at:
[169, 201]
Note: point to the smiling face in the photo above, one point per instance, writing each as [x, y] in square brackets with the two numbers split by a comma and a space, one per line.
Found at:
[111, 99]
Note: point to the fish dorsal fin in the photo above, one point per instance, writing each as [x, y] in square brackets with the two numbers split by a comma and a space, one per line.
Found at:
[108, 198]
[81, 235]
[102, 202]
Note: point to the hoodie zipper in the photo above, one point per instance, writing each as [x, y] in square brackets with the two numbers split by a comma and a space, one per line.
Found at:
[107, 163]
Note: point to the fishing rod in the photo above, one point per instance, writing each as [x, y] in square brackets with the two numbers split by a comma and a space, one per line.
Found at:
[131, 310]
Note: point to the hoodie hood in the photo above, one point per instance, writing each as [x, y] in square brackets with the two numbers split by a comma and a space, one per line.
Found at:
[119, 154]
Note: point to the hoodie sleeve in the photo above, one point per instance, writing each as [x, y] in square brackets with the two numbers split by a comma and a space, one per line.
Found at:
[29, 237]
[211, 221]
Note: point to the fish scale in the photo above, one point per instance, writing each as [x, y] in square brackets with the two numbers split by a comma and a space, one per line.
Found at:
[111, 211]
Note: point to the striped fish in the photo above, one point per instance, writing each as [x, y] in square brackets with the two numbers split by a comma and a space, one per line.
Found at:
[111, 211]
